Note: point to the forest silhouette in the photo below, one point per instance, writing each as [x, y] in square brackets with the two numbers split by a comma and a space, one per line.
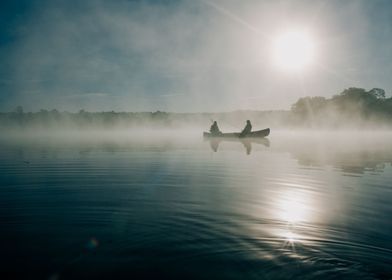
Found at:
[353, 107]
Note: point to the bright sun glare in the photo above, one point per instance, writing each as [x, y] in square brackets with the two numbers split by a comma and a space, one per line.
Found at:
[293, 51]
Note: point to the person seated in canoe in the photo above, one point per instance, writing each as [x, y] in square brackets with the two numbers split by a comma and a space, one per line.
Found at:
[247, 129]
[214, 129]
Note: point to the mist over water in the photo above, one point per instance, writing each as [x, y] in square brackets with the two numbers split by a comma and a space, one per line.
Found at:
[157, 204]
[105, 172]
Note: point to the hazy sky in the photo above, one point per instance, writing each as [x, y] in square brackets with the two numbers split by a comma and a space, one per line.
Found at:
[185, 55]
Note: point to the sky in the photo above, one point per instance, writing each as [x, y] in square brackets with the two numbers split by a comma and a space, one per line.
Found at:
[186, 56]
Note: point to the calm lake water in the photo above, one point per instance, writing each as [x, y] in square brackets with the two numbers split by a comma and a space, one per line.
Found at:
[103, 206]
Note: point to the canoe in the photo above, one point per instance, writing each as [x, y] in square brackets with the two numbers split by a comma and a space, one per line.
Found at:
[254, 134]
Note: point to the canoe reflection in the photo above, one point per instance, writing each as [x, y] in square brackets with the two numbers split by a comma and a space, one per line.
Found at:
[214, 143]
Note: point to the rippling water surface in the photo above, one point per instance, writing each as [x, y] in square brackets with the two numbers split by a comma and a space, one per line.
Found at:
[103, 206]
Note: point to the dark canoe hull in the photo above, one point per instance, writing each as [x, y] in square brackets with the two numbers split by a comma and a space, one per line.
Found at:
[254, 134]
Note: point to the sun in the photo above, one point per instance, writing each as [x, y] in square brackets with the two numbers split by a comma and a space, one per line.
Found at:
[293, 50]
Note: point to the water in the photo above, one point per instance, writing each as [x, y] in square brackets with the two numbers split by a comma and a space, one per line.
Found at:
[299, 206]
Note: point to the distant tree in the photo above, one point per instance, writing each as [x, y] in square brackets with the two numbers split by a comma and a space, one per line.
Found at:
[308, 105]
[350, 95]
[353, 91]
[378, 93]
[352, 105]
[352, 101]
[55, 114]
[19, 110]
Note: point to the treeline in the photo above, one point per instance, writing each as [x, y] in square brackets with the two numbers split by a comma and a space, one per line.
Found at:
[82, 119]
[354, 107]
[109, 120]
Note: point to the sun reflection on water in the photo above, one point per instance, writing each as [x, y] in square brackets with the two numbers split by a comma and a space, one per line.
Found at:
[290, 236]
[294, 207]
[290, 239]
